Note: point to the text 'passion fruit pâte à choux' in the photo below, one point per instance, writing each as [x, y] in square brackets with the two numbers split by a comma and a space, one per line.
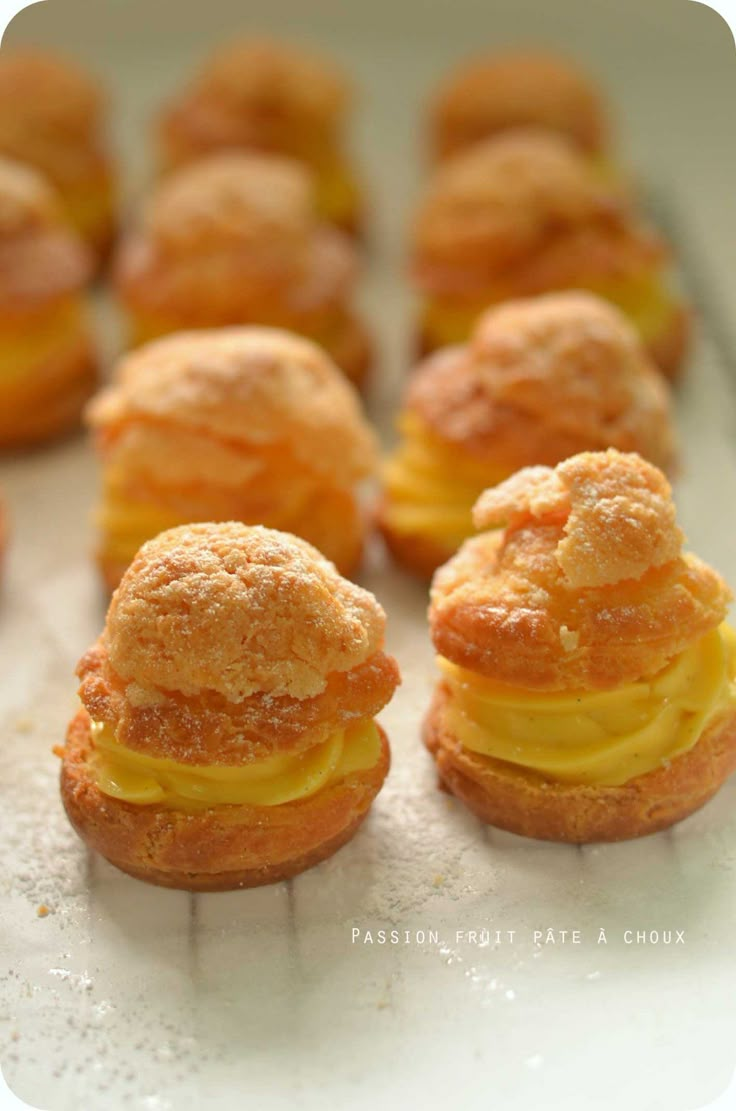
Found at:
[523, 213]
[52, 118]
[48, 366]
[235, 239]
[588, 688]
[497, 92]
[249, 424]
[257, 94]
[540, 379]
[227, 736]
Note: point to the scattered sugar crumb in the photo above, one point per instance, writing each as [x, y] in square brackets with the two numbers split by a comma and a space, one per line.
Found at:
[568, 638]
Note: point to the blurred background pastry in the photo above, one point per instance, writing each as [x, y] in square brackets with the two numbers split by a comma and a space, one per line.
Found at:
[48, 366]
[588, 687]
[259, 94]
[499, 91]
[234, 239]
[227, 735]
[52, 117]
[246, 424]
[539, 380]
[522, 214]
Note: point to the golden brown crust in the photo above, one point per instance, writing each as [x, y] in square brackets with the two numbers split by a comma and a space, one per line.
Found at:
[545, 378]
[225, 643]
[526, 803]
[584, 588]
[525, 210]
[51, 118]
[41, 259]
[292, 619]
[496, 92]
[241, 387]
[220, 848]
[210, 729]
[262, 205]
[254, 93]
[48, 89]
[235, 239]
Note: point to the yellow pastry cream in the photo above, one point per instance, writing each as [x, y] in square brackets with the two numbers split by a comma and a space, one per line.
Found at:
[133, 777]
[647, 302]
[431, 486]
[603, 738]
[31, 343]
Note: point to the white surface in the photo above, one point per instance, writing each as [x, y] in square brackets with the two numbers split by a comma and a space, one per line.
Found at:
[130, 996]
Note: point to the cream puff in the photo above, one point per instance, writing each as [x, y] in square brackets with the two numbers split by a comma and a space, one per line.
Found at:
[498, 92]
[523, 213]
[227, 735]
[256, 94]
[48, 366]
[539, 380]
[52, 117]
[588, 688]
[248, 424]
[234, 239]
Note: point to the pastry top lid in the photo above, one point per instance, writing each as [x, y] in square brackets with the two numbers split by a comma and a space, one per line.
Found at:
[28, 203]
[585, 583]
[501, 200]
[236, 610]
[245, 386]
[259, 204]
[265, 77]
[41, 257]
[569, 362]
[517, 89]
[48, 92]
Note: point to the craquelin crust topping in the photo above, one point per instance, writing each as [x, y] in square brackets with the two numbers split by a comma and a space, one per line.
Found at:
[262, 76]
[526, 197]
[45, 91]
[586, 585]
[242, 386]
[40, 257]
[27, 202]
[260, 203]
[236, 610]
[557, 373]
[494, 93]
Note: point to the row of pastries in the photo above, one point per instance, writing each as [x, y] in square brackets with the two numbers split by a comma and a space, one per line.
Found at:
[227, 732]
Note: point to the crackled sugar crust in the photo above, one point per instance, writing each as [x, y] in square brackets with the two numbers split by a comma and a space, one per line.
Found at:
[235, 238]
[525, 208]
[495, 92]
[584, 585]
[247, 387]
[41, 259]
[544, 378]
[250, 93]
[233, 217]
[541, 379]
[224, 643]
